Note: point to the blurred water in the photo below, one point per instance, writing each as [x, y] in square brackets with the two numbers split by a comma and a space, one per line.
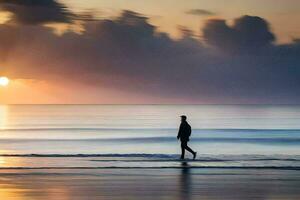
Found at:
[218, 130]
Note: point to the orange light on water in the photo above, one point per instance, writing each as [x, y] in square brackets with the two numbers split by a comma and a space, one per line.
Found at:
[3, 116]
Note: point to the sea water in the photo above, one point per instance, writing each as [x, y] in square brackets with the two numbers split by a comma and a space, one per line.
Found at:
[145, 135]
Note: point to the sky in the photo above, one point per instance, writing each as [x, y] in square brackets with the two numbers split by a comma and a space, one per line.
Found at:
[150, 51]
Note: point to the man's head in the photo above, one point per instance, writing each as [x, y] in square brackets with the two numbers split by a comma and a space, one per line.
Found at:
[183, 118]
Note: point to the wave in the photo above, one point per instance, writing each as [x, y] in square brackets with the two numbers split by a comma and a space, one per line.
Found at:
[209, 139]
[160, 167]
[168, 157]
[198, 160]
[142, 128]
[275, 140]
[95, 155]
[154, 161]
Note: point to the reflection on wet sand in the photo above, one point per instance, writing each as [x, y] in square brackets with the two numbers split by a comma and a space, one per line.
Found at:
[185, 181]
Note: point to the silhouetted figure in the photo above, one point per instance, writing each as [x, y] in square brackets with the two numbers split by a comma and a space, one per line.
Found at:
[184, 134]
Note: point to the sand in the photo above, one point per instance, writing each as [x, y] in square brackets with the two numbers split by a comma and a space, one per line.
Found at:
[186, 183]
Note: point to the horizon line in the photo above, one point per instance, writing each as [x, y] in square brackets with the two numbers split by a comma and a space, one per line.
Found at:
[258, 104]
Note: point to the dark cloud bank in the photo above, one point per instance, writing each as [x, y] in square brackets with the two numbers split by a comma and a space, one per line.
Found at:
[36, 11]
[234, 64]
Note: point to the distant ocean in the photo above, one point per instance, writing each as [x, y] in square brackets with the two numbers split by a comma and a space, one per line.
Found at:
[129, 136]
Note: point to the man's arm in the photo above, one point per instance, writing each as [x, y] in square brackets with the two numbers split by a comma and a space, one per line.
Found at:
[179, 132]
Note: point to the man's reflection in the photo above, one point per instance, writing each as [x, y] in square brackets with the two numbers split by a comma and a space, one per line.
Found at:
[185, 181]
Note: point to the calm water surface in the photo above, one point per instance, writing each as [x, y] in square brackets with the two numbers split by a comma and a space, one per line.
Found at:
[236, 134]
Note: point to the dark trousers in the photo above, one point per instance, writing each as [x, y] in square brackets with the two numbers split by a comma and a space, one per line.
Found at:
[184, 147]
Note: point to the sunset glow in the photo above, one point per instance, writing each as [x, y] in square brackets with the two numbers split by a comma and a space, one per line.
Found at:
[149, 52]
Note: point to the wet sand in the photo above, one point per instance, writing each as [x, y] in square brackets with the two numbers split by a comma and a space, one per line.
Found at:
[185, 183]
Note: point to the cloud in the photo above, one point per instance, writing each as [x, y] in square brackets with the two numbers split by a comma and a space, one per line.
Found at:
[248, 33]
[129, 56]
[200, 12]
[36, 11]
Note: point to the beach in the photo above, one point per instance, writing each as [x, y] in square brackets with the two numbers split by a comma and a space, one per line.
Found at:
[185, 183]
[146, 176]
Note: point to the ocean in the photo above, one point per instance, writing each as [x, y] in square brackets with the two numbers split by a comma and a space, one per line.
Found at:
[144, 136]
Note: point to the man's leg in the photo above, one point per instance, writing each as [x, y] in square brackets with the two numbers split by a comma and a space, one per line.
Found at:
[190, 150]
[183, 145]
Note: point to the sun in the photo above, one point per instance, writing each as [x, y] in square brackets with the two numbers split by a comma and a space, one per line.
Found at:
[4, 81]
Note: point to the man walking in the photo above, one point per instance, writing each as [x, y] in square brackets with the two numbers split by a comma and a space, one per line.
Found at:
[184, 134]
